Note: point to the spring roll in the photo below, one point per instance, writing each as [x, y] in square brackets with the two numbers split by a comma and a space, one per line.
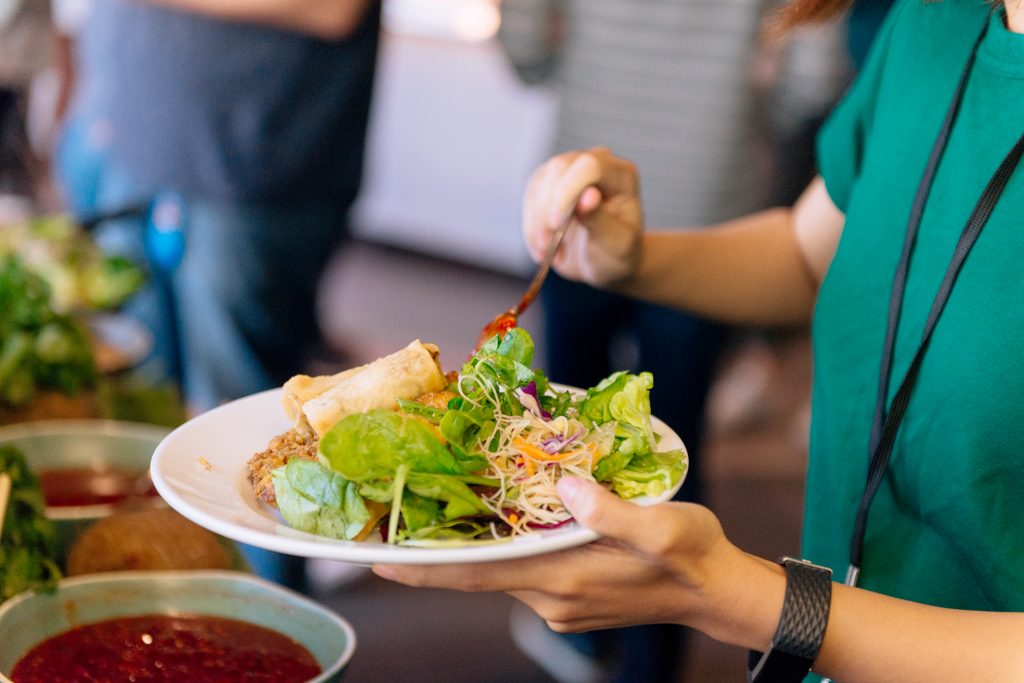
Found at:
[318, 403]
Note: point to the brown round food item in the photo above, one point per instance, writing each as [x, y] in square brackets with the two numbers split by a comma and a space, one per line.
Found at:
[51, 405]
[146, 540]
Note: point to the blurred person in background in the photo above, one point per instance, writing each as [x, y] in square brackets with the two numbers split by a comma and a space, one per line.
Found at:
[25, 52]
[670, 85]
[237, 129]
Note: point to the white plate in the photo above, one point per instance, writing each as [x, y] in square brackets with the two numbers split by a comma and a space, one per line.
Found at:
[199, 469]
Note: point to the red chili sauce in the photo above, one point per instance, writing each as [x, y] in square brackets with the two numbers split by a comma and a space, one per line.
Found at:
[196, 649]
[86, 486]
[500, 325]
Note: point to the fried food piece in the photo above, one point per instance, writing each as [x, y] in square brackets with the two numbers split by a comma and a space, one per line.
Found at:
[295, 443]
[321, 402]
[146, 539]
[436, 399]
[318, 403]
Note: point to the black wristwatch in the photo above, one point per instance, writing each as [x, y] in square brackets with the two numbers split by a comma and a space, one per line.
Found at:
[801, 627]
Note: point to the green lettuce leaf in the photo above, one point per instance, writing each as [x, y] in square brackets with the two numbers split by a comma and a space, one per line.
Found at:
[372, 445]
[501, 366]
[428, 413]
[419, 512]
[463, 426]
[316, 500]
[516, 345]
[650, 474]
[622, 399]
[461, 500]
[459, 529]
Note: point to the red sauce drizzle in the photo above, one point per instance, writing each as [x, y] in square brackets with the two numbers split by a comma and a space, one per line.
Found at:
[500, 325]
[197, 649]
[85, 486]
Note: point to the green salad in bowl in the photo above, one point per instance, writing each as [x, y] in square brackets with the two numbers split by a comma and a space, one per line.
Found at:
[40, 348]
[81, 277]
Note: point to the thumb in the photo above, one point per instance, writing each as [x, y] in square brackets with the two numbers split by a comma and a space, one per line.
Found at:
[599, 510]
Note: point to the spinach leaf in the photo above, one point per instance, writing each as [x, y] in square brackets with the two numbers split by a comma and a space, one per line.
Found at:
[419, 512]
[316, 500]
[461, 500]
[372, 445]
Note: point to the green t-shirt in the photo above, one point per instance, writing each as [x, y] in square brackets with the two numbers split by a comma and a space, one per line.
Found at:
[947, 525]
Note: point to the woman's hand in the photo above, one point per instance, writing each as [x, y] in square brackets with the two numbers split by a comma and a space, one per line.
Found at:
[655, 564]
[604, 244]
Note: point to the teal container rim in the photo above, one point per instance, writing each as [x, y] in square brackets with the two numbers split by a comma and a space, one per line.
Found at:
[82, 427]
[100, 426]
[200, 576]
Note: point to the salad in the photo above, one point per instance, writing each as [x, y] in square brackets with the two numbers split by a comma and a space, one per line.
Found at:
[28, 544]
[483, 465]
[40, 349]
[80, 275]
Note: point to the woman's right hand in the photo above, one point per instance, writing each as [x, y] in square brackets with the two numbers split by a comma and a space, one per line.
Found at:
[603, 245]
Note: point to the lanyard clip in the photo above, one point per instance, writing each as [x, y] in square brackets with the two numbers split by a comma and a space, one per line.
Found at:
[852, 574]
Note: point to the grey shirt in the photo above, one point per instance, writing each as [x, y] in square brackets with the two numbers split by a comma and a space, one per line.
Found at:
[668, 84]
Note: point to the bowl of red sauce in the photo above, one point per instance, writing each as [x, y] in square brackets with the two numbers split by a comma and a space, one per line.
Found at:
[88, 469]
[196, 626]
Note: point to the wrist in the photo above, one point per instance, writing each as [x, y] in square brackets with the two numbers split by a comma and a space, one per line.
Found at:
[742, 600]
[640, 272]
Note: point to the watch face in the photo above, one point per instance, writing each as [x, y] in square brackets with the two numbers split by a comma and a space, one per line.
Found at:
[786, 560]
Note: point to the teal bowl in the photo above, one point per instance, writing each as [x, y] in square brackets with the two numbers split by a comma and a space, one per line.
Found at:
[29, 618]
[90, 444]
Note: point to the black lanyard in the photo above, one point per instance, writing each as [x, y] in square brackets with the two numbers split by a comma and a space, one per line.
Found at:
[886, 422]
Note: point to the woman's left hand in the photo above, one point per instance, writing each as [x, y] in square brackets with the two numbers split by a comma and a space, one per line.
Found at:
[653, 565]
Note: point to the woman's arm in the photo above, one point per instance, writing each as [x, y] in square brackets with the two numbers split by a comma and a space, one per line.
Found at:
[671, 563]
[874, 637]
[327, 19]
[761, 269]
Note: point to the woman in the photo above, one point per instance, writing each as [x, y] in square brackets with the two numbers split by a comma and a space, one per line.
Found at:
[917, 369]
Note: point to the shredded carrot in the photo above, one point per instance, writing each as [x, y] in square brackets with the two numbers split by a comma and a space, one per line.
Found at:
[535, 453]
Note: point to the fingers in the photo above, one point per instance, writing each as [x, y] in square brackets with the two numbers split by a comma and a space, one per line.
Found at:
[489, 577]
[579, 181]
[536, 202]
[596, 168]
[589, 200]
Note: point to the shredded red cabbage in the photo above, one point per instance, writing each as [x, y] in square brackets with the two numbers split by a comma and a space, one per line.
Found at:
[553, 444]
[556, 525]
[531, 401]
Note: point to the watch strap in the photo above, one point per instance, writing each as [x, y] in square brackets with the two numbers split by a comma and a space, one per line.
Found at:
[801, 628]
